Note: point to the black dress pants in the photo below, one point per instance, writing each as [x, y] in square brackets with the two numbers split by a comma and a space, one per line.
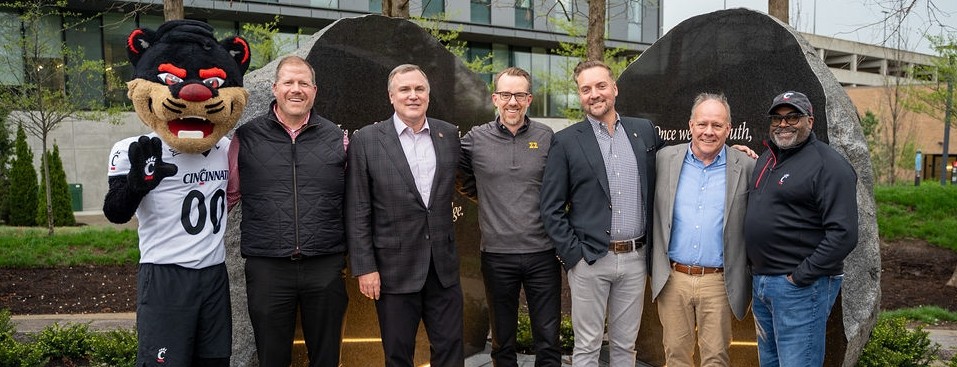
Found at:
[540, 274]
[277, 287]
[439, 308]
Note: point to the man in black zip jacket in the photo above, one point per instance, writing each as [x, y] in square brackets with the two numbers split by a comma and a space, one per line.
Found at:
[801, 223]
[288, 168]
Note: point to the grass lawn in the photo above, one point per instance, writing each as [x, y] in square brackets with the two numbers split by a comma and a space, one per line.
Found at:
[24, 247]
[927, 212]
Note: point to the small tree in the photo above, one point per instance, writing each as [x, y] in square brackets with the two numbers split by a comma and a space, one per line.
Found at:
[62, 208]
[22, 201]
[578, 52]
[266, 43]
[871, 125]
[479, 64]
[46, 78]
[932, 99]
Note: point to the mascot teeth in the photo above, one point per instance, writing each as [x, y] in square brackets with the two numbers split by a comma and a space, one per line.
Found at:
[184, 134]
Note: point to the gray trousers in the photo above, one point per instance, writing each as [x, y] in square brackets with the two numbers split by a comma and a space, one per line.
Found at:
[616, 283]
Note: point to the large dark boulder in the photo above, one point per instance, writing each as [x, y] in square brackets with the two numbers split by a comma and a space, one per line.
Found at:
[752, 57]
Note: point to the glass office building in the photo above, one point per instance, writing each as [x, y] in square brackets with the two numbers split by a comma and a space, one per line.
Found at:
[515, 32]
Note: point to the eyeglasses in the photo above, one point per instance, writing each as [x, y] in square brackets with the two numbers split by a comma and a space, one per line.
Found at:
[791, 118]
[519, 97]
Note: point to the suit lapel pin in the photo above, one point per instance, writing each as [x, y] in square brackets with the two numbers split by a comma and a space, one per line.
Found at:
[441, 136]
[635, 134]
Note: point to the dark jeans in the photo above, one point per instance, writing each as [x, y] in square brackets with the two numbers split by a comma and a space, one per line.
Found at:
[540, 274]
[791, 321]
[277, 287]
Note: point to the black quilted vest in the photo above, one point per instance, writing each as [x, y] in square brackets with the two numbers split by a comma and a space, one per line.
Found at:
[291, 192]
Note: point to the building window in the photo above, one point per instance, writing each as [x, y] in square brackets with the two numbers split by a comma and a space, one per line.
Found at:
[83, 37]
[634, 10]
[329, 4]
[524, 14]
[433, 8]
[116, 28]
[375, 6]
[480, 51]
[481, 11]
[11, 54]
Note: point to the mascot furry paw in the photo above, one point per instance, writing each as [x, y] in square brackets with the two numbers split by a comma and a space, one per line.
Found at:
[188, 88]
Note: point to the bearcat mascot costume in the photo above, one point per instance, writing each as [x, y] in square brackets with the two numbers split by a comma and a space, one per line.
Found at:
[188, 88]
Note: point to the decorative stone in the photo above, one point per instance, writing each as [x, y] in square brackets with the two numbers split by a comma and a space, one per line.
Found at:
[352, 58]
[752, 57]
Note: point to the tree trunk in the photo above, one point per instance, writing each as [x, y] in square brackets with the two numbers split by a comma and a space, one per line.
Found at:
[48, 191]
[779, 9]
[396, 8]
[173, 9]
[400, 9]
[595, 38]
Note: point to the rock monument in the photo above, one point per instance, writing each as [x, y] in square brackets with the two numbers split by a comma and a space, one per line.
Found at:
[751, 57]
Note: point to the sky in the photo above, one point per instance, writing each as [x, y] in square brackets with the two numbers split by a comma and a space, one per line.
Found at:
[854, 20]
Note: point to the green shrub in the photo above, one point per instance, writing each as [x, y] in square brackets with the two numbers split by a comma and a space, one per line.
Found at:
[524, 343]
[523, 334]
[116, 348]
[14, 353]
[23, 185]
[62, 203]
[70, 341]
[892, 345]
[70, 345]
[566, 335]
[6, 326]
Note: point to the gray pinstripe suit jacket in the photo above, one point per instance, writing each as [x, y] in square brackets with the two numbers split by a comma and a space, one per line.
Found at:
[388, 227]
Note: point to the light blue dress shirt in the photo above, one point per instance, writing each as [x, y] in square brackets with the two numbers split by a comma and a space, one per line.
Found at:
[697, 231]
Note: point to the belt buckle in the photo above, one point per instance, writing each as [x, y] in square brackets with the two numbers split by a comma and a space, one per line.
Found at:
[621, 247]
[296, 256]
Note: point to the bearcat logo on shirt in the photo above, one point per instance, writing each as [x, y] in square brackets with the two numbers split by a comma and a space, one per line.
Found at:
[161, 356]
[785, 177]
[203, 176]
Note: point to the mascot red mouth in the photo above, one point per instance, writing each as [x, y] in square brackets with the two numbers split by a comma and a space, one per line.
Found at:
[190, 127]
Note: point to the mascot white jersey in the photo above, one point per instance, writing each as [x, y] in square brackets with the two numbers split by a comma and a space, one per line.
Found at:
[183, 220]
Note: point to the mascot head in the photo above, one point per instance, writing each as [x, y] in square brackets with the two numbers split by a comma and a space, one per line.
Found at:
[187, 86]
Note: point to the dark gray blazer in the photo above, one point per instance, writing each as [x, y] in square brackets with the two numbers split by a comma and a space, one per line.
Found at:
[388, 227]
[576, 203]
[737, 276]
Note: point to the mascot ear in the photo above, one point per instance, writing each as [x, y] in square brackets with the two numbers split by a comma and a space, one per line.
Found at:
[137, 43]
[238, 48]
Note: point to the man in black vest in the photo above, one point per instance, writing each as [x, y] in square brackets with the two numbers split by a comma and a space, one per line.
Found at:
[292, 182]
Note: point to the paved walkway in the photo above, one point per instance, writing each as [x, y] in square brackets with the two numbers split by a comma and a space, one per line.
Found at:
[111, 321]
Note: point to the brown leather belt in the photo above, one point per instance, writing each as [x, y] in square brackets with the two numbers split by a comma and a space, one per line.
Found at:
[695, 270]
[620, 247]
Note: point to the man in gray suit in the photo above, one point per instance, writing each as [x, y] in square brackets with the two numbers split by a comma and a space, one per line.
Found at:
[700, 274]
[399, 183]
[598, 182]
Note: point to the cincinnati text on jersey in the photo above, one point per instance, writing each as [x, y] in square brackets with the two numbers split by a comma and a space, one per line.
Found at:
[204, 176]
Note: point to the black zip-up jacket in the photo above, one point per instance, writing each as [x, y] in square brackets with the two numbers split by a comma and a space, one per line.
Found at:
[802, 212]
[292, 191]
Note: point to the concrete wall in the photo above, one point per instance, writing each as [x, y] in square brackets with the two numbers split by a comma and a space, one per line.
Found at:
[85, 149]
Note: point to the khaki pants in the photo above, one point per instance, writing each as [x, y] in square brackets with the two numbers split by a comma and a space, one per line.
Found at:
[688, 302]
